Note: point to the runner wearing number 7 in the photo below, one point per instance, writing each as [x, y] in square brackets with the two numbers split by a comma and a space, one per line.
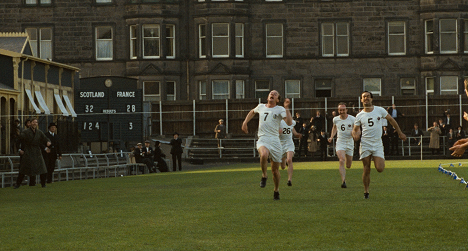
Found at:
[370, 119]
[268, 144]
[343, 125]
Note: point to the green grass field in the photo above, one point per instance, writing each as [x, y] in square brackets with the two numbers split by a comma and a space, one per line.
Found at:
[412, 206]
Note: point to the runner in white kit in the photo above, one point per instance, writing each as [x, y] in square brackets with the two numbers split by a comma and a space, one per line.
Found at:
[286, 137]
[343, 126]
[370, 119]
[268, 144]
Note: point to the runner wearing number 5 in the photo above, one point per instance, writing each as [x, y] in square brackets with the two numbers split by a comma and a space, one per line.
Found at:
[268, 144]
[370, 119]
[343, 125]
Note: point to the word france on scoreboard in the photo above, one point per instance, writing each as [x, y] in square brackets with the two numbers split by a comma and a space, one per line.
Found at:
[109, 114]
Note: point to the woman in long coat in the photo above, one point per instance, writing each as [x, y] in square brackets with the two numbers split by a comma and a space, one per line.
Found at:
[32, 163]
[434, 140]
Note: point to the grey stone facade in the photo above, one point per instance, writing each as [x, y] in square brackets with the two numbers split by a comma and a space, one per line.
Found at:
[74, 22]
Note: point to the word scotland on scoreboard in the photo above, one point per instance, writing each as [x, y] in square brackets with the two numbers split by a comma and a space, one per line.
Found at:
[110, 109]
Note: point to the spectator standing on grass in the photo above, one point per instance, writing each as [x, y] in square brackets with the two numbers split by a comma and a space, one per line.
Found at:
[386, 140]
[312, 141]
[370, 119]
[304, 131]
[342, 127]
[323, 141]
[32, 164]
[55, 152]
[176, 152]
[461, 145]
[268, 144]
[434, 140]
[299, 121]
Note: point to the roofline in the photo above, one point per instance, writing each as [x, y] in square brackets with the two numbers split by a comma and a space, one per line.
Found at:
[20, 55]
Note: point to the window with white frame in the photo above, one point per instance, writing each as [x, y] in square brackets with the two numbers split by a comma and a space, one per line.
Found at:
[133, 42]
[396, 38]
[292, 88]
[202, 89]
[274, 40]
[104, 43]
[220, 39]
[465, 36]
[151, 91]
[202, 41]
[220, 89]
[408, 86]
[448, 35]
[38, 2]
[103, 1]
[429, 86]
[239, 40]
[323, 88]
[170, 90]
[448, 85]
[240, 89]
[335, 39]
[170, 41]
[372, 85]
[40, 40]
[262, 89]
[429, 29]
[151, 41]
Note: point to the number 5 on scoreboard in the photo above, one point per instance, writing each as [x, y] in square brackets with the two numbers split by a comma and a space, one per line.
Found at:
[130, 126]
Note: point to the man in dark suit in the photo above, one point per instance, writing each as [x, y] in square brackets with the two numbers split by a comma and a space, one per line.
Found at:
[139, 157]
[304, 131]
[416, 132]
[54, 152]
[148, 156]
[323, 140]
[176, 151]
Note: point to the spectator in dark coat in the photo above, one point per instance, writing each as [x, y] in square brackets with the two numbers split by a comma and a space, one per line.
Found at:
[140, 157]
[386, 140]
[148, 156]
[159, 157]
[304, 131]
[32, 164]
[55, 153]
[323, 141]
[176, 151]
[459, 133]
[319, 122]
[416, 133]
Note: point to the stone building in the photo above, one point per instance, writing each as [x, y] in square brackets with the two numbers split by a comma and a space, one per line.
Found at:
[218, 49]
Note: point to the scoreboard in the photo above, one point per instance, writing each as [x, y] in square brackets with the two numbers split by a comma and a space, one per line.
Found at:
[107, 114]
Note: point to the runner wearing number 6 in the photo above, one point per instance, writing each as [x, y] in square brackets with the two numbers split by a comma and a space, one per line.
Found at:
[343, 127]
[370, 119]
